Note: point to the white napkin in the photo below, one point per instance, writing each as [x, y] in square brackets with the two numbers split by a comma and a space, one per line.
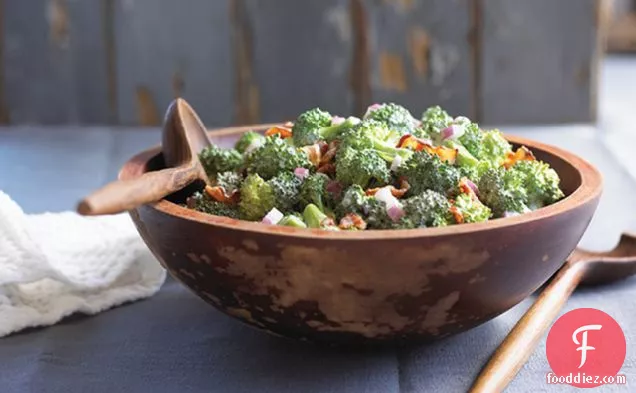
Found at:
[55, 264]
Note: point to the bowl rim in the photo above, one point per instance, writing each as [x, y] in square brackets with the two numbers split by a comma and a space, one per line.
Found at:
[590, 189]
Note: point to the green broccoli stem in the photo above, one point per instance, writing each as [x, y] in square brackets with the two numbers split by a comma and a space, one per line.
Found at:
[315, 218]
[331, 132]
[464, 158]
[292, 221]
[388, 152]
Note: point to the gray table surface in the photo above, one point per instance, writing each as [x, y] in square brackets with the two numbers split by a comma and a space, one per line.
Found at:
[174, 342]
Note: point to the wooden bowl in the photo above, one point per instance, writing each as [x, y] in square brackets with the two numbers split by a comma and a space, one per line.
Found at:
[383, 286]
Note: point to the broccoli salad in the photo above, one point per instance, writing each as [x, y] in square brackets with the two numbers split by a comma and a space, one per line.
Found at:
[387, 170]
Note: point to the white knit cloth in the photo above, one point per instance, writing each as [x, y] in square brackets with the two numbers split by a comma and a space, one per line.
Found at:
[55, 264]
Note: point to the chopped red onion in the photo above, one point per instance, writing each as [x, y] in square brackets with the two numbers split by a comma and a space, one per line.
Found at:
[337, 120]
[393, 205]
[384, 195]
[395, 212]
[372, 108]
[273, 217]
[395, 164]
[416, 123]
[301, 173]
[453, 131]
[472, 186]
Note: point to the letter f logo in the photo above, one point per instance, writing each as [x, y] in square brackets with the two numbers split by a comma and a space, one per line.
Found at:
[584, 347]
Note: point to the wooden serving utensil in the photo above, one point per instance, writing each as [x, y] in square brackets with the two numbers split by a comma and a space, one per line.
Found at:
[183, 137]
[582, 267]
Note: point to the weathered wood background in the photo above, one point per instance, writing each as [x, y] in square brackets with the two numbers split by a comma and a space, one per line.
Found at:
[245, 61]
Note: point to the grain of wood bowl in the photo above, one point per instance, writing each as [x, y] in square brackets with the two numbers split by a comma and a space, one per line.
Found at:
[367, 287]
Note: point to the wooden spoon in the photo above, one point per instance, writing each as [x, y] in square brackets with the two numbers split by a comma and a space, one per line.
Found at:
[582, 267]
[184, 136]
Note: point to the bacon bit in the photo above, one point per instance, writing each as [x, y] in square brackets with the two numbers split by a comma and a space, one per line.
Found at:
[329, 153]
[522, 154]
[327, 168]
[398, 193]
[352, 220]
[457, 214]
[327, 222]
[464, 188]
[324, 147]
[372, 191]
[411, 142]
[404, 185]
[218, 194]
[283, 132]
[314, 153]
[444, 153]
[418, 144]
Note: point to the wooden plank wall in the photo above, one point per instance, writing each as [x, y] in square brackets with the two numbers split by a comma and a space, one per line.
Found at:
[167, 48]
[527, 71]
[53, 62]
[420, 54]
[120, 62]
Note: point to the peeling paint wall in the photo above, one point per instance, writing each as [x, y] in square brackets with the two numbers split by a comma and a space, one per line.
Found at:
[249, 61]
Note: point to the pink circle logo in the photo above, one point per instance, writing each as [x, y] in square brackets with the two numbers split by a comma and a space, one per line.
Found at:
[586, 348]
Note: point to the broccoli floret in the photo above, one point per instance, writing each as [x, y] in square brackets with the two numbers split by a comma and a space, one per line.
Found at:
[315, 125]
[377, 217]
[464, 157]
[373, 135]
[371, 131]
[427, 209]
[276, 156]
[203, 203]
[249, 141]
[293, 220]
[286, 189]
[314, 190]
[468, 165]
[526, 186]
[426, 171]
[503, 191]
[361, 167]
[395, 117]
[434, 119]
[471, 209]
[478, 151]
[474, 173]
[353, 201]
[230, 181]
[216, 160]
[540, 181]
[472, 137]
[494, 148]
[257, 198]
[316, 218]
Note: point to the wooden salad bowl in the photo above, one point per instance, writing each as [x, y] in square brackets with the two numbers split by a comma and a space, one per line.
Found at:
[380, 286]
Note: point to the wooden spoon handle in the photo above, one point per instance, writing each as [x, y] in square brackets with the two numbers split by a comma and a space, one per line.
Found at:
[121, 196]
[522, 340]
